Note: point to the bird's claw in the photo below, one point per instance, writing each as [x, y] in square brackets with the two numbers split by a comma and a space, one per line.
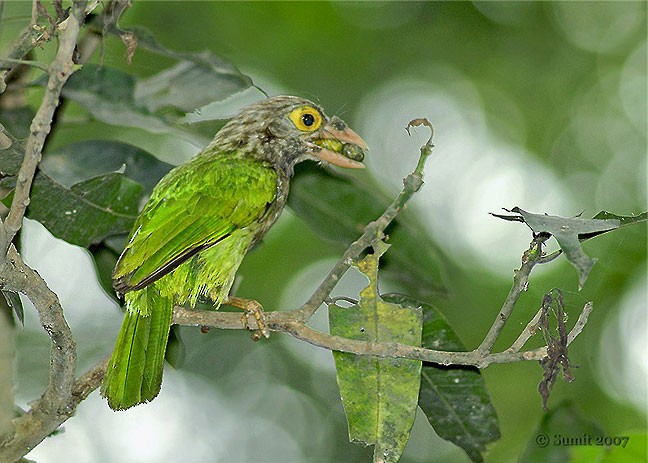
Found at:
[261, 329]
[252, 308]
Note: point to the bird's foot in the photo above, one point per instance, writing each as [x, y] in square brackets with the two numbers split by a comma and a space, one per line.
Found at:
[252, 308]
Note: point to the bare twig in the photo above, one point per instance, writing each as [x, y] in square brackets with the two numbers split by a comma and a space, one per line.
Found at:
[527, 332]
[287, 322]
[580, 323]
[372, 232]
[520, 281]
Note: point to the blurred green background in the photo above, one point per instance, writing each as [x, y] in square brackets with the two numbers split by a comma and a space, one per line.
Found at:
[536, 104]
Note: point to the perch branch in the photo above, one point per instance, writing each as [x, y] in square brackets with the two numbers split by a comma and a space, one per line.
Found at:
[288, 322]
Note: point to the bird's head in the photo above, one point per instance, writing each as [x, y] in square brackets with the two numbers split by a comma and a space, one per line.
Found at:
[286, 130]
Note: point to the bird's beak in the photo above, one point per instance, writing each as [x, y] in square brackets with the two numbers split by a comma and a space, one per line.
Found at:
[338, 144]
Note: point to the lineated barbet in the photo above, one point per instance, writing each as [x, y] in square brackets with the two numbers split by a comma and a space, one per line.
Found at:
[201, 220]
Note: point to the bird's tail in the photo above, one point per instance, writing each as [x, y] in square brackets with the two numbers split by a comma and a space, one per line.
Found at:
[134, 374]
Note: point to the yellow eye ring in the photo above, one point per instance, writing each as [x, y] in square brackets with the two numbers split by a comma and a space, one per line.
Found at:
[306, 118]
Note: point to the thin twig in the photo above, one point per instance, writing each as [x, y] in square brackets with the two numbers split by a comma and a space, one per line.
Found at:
[372, 232]
[526, 333]
[36, 64]
[520, 281]
[580, 323]
[22, 46]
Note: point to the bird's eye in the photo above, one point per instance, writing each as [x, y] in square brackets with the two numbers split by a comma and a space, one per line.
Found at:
[306, 118]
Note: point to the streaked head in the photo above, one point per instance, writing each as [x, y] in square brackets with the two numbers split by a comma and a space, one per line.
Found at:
[286, 130]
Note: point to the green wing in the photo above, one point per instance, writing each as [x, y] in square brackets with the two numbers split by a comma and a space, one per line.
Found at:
[192, 208]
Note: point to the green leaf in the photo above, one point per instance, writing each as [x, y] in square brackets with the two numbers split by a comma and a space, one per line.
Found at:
[197, 80]
[338, 209]
[225, 108]
[624, 220]
[568, 233]
[17, 120]
[191, 84]
[87, 212]
[87, 159]
[220, 69]
[546, 444]
[454, 398]
[109, 95]
[379, 394]
[83, 214]
[79, 162]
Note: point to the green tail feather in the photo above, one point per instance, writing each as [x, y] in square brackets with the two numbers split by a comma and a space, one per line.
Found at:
[134, 374]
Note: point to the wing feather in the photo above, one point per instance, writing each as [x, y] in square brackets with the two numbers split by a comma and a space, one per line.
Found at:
[194, 207]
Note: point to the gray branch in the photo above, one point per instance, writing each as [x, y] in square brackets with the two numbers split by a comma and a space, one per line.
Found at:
[290, 323]
[57, 402]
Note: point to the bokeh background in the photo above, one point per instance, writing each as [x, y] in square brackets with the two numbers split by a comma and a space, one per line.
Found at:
[540, 105]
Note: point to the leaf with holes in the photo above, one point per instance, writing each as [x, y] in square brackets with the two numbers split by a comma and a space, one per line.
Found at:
[569, 232]
[379, 394]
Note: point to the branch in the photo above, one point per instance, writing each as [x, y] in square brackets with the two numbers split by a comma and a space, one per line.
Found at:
[530, 258]
[16, 276]
[57, 402]
[21, 47]
[289, 323]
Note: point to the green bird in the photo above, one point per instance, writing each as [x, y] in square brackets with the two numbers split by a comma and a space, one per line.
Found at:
[201, 220]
